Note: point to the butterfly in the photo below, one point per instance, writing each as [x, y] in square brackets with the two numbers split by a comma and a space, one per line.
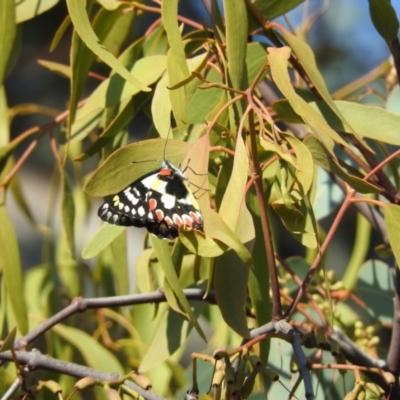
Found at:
[161, 201]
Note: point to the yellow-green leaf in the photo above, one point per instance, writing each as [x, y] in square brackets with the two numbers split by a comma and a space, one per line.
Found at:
[278, 59]
[80, 20]
[162, 251]
[29, 9]
[95, 355]
[392, 219]
[10, 265]
[103, 237]
[8, 31]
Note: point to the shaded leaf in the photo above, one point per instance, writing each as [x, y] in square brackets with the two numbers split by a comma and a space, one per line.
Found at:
[10, 265]
[392, 219]
[325, 160]
[8, 31]
[230, 284]
[95, 355]
[120, 263]
[162, 251]
[384, 18]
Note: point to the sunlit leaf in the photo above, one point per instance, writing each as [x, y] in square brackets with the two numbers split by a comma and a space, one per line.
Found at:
[29, 9]
[79, 17]
[131, 162]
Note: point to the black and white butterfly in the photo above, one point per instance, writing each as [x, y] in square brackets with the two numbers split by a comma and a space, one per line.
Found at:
[161, 201]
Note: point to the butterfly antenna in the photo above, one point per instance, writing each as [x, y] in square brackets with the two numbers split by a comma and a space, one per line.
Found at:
[165, 146]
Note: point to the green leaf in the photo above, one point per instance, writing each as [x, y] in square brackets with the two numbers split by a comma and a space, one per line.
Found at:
[29, 9]
[114, 90]
[278, 59]
[201, 245]
[68, 211]
[161, 107]
[258, 283]
[79, 17]
[8, 31]
[125, 114]
[230, 283]
[236, 41]
[39, 283]
[61, 69]
[4, 121]
[103, 238]
[233, 206]
[392, 219]
[95, 355]
[10, 265]
[256, 58]
[120, 263]
[177, 67]
[172, 333]
[8, 342]
[375, 289]
[384, 18]
[272, 9]
[131, 162]
[162, 251]
[325, 160]
[203, 100]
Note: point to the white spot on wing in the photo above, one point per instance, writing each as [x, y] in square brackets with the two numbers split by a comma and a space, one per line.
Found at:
[168, 201]
[141, 211]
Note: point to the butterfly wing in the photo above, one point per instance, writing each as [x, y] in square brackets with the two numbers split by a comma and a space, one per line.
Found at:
[161, 202]
[172, 204]
[130, 206]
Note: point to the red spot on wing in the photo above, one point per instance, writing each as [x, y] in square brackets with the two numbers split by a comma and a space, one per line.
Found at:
[159, 215]
[165, 172]
[152, 204]
[177, 219]
[187, 220]
[169, 221]
[195, 218]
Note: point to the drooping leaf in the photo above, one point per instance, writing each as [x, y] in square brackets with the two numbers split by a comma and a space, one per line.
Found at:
[103, 237]
[323, 159]
[162, 251]
[120, 263]
[384, 18]
[230, 283]
[233, 208]
[10, 265]
[171, 335]
[392, 219]
[79, 17]
[8, 31]
[236, 41]
[278, 59]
